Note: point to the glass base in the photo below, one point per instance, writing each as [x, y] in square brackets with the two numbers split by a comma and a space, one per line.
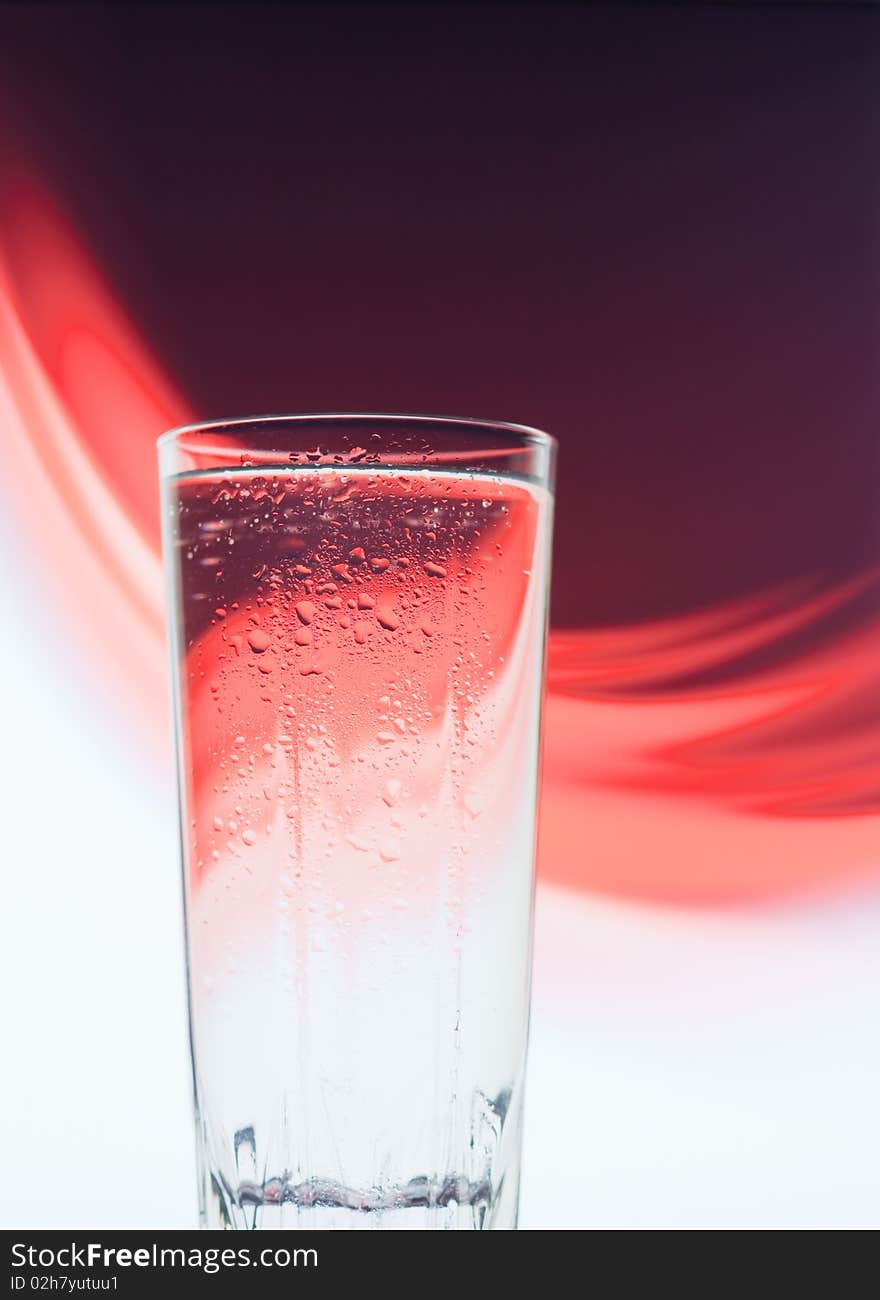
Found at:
[442, 1204]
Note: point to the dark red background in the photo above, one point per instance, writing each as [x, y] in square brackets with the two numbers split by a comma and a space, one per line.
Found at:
[650, 230]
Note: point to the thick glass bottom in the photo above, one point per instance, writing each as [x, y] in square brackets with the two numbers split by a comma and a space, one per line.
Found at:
[452, 1202]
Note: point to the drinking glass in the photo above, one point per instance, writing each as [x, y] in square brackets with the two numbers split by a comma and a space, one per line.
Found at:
[357, 609]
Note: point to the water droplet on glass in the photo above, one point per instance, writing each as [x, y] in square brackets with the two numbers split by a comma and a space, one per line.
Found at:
[258, 640]
[387, 619]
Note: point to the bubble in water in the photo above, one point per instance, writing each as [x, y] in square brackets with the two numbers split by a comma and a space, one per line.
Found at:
[473, 804]
[258, 640]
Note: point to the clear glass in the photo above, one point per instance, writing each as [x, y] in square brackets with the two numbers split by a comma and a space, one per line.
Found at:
[358, 610]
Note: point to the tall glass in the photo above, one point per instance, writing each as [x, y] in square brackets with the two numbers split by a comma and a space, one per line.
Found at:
[358, 611]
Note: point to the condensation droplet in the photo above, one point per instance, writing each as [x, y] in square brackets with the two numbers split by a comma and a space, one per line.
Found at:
[258, 640]
[387, 619]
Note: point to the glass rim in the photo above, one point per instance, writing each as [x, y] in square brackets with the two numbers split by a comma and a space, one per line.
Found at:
[525, 435]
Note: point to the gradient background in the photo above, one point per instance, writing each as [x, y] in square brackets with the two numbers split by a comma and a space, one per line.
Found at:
[651, 231]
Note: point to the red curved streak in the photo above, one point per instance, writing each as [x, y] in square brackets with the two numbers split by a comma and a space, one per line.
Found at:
[679, 762]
